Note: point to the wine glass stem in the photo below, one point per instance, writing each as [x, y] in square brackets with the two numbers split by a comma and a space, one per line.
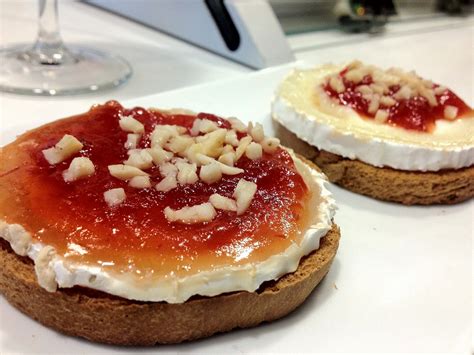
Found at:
[49, 47]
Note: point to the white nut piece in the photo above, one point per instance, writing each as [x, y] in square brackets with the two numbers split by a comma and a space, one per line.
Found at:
[227, 159]
[213, 142]
[387, 101]
[168, 169]
[140, 182]
[114, 197]
[354, 75]
[193, 151]
[270, 144]
[243, 194]
[226, 170]
[256, 132]
[335, 82]
[186, 173]
[228, 149]
[237, 125]
[223, 203]
[65, 148]
[159, 155]
[162, 133]
[381, 116]
[132, 141]
[244, 142]
[125, 172]
[79, 168]
[450, 112]
[204, 212]
[179, 144]
[231, 138]
[139, 158]
[130, 124]
[167, 184]
[364, 90]
[440, 90]
[404, 93]
[210, 173]
[253, 151]
[374, 105]
[203, 126]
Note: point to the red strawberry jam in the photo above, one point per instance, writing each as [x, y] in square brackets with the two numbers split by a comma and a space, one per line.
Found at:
[135, 236]
[413, 113]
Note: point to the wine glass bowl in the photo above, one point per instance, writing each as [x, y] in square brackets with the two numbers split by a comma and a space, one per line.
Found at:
[49, 67]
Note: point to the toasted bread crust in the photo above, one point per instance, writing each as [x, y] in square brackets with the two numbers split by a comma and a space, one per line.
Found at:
[100, 317]
[448, 186]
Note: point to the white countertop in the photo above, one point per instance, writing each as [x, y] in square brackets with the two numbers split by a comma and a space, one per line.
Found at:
[441, 49]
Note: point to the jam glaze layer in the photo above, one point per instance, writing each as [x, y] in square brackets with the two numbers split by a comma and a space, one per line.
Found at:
[413, 114]
[134, 239]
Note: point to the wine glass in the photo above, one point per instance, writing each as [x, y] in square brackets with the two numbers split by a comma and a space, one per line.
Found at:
[49, 67]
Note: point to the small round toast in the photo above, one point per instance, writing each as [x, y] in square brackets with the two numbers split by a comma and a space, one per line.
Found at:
[100, 317]
[447, 186]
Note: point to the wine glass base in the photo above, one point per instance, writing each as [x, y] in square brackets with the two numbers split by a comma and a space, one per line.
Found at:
[90, 71]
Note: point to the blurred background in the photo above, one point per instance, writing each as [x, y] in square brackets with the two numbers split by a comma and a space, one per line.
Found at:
[174, 44]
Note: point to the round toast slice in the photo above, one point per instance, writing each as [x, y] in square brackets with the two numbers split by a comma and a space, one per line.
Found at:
[448, 186]
[104, 318]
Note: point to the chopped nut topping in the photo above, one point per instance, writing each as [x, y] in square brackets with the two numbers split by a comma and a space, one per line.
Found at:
[253, 151]
[430, 96]
[256, 132]
[140, 158]
[374, 104]
[130, 124]
[204, 212]
[244, 142]
[168, 169]
[383, 91]
[237, 125]
[203, 126]
[227, 159]
[387, 101]
[335, 82]
[114, 197]
[231, 138]
[206, 143]
[212, 142]
[450, 112]
[226, 170]
[379, 88]
[355, 75]
[404, 93]
[125, 172]
[270, 145]
[210, 173]
[159, 155]
[179, 144]
[381, 116]
[162, 133]
[78, 169]
[65, 148]
[243, 193]
[440, 90]
[132, 141]
[223, 203]
[228, 149]
[140, 182]
[167, 184]
[364, 90]
[186, 173]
